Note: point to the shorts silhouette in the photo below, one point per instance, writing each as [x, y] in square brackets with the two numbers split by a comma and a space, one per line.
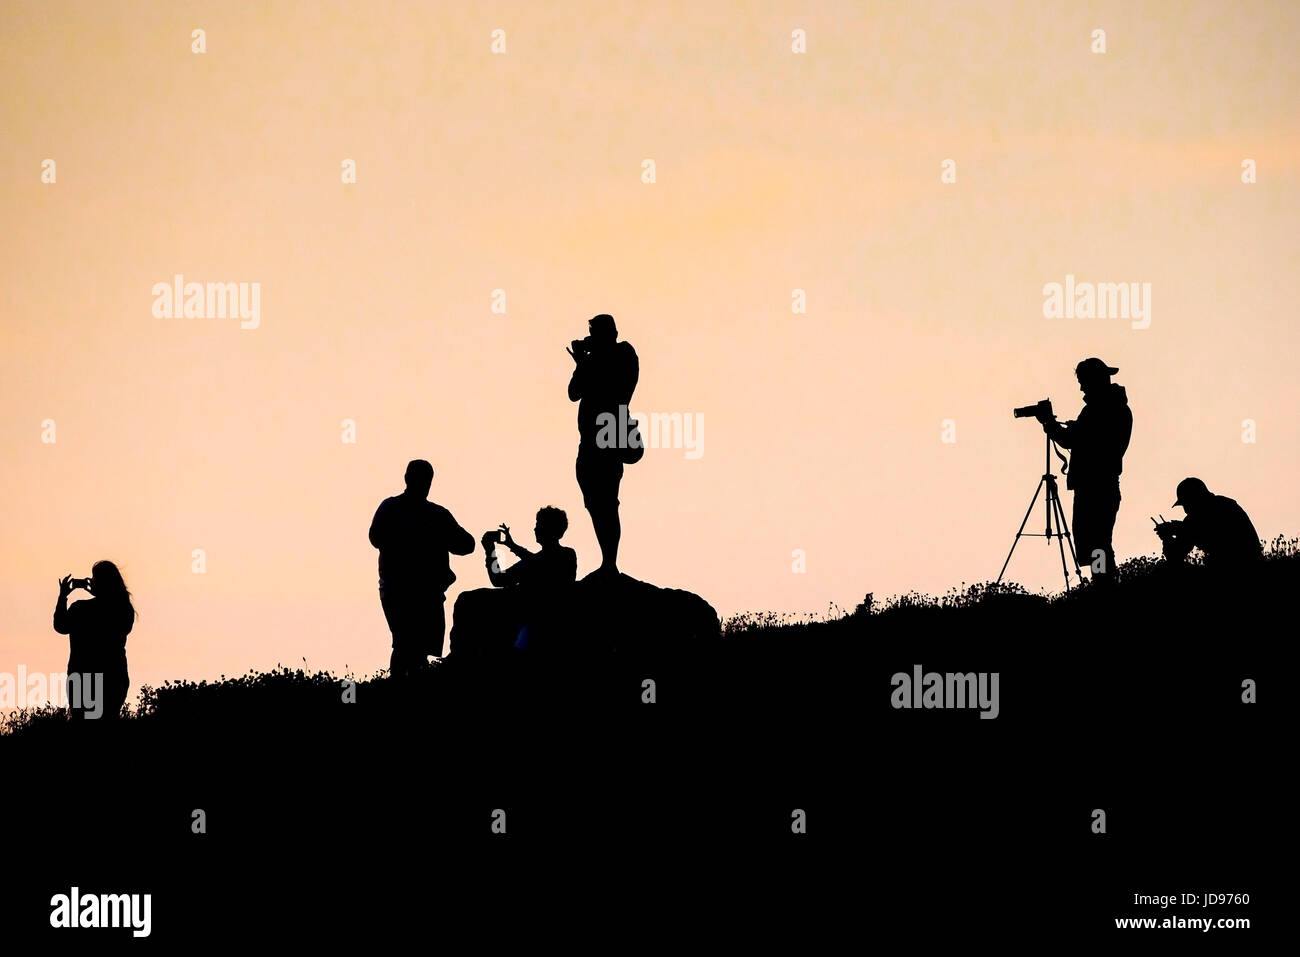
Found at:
[599, 473]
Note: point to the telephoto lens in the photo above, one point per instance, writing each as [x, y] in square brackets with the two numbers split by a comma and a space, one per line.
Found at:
[1040, 409]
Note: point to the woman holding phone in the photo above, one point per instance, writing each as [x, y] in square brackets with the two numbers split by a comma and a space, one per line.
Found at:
[96, 628]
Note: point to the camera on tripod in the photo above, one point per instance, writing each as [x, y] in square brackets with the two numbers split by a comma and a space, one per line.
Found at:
[1042, 409]
[1054, 524]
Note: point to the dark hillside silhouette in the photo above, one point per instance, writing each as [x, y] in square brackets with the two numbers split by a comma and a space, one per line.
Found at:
[747, 722]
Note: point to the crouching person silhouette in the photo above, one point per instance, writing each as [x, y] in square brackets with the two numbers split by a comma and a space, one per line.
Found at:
[96, 628]
[1215, 524]
[520, 610]
[416, 538]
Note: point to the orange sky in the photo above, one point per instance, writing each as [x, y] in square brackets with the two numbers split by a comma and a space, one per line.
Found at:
[775, 171]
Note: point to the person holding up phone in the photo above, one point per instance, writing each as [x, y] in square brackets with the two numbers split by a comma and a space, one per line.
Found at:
[520, 611]
[554, 565]
[96, 628]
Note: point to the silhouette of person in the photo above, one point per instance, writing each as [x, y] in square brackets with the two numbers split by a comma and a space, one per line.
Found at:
[1099, 438]
[604, 377]
[416, 538]
[538, 577]
[1215, 524]
[96, 628]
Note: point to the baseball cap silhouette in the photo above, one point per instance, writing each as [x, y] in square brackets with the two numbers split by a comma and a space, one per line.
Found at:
[1192, 488]
[1095, 366]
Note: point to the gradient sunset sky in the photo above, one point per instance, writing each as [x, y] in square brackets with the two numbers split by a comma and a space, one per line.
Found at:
[522, 171]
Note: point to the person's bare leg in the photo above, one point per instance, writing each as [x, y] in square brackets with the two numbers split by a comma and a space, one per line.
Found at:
[608, 529]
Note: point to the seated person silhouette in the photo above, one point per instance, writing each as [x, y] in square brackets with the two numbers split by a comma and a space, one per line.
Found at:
[96, 628]
[519, 610]
[416, 538]
[1215, 524]
[554, 565]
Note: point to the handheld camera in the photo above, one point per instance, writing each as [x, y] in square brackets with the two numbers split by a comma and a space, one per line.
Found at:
[1040, 410]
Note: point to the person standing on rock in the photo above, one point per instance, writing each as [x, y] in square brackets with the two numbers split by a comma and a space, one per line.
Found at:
[416, 538]
[604, 377]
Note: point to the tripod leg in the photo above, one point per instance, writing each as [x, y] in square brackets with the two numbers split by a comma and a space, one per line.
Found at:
[1069, 542]
[1029, 511]
[1049, 507]
[1055, 505]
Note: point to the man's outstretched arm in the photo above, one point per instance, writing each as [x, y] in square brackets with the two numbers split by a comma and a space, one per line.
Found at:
[521, 553]
[1062, 433]
[459, 541]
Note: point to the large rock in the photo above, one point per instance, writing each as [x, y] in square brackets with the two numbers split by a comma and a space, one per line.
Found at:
[595, 617]
[622, 614]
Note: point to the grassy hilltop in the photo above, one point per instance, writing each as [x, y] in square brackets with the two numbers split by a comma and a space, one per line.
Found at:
[1128, 699]
[809, 656]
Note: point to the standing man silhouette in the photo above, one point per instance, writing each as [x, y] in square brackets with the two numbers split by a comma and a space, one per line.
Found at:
[414, 537]
[603, 380]
[1099, 438]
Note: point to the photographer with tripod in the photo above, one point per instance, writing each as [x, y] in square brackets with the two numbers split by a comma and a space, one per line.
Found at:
[1098, 438]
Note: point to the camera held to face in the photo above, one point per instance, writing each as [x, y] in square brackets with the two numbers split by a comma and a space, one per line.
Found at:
[1040, 410]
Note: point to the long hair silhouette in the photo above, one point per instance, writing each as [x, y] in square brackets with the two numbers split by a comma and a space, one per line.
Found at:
[110, 586]
[97, 629]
